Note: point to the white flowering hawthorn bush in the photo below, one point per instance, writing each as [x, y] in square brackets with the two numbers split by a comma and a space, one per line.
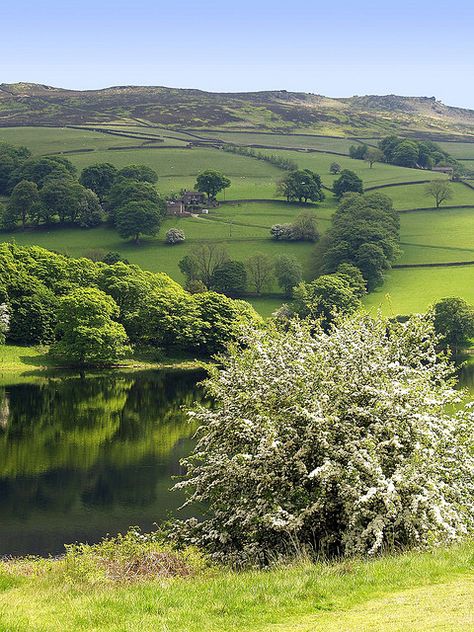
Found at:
[4, 321]
[175, 236]
[338, 442]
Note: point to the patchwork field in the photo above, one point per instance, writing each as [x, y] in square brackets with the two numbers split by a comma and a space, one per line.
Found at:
[305, 141]
[441, 236]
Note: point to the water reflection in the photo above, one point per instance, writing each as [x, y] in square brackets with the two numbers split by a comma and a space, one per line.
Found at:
[83, 457]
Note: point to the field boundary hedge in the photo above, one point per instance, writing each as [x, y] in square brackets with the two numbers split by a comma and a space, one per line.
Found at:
[396, 184]
[434, 208]
[447, 264]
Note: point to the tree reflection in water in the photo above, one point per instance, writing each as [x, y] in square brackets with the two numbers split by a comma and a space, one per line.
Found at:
[80, 458]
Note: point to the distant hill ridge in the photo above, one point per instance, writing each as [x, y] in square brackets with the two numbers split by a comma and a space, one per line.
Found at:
[276, 110]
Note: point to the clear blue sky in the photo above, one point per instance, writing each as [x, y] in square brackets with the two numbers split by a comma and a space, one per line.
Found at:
[335, 47]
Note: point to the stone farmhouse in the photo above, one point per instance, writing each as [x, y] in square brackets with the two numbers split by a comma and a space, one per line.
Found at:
[188, 203]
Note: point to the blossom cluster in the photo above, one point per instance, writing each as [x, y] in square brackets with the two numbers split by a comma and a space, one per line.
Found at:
[340, 442]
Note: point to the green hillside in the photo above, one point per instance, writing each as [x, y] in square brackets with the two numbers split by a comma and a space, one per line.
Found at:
[250, 207]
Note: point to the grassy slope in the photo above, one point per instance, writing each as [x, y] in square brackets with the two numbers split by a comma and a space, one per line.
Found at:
[379, 174]
[44, 140]
[414, 196]
[415, 289]
[340, 145]
[437, 236]
[409, 592]
[177, 168]
[433, 236]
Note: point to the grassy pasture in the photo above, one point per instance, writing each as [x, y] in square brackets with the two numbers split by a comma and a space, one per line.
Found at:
[379, 174]
[414, 196]
[46, 140]
[153, 253]
[178, 168]
[412, 290]
[340, 145]
[437, 236]
[267, 213]
[459, 150]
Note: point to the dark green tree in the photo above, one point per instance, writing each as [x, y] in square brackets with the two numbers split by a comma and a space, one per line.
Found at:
[348, 182]
[22, 200]
[142, 173]
[11, 158]
[99, 178]
[359, 151]
[230, 278]
[139, 218]
[301, 185]
[288, 272]
[124, 191]
[43, 169]
[454, 320]
[212, 182]
[406, 154]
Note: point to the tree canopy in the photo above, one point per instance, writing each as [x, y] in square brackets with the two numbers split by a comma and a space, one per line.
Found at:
[348, 182]
[301, 185]
[87, 331]
[212, 182]
[139, 218]
[365, 234]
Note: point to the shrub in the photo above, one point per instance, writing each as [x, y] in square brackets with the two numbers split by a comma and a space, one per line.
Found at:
[130, 557]
[338, 442]
[175, 236]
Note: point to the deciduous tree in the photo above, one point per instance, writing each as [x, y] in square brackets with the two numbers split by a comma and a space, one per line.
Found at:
[440, 190]
[211, 183]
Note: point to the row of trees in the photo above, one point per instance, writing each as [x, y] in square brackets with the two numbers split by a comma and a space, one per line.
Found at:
[274, 159]
[46, 190]
[209, 267]
[83, 308]
[405, 153]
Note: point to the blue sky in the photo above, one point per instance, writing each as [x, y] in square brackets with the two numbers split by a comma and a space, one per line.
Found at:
[336, 47]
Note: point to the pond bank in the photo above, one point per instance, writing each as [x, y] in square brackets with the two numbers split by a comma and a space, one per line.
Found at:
[16, 359]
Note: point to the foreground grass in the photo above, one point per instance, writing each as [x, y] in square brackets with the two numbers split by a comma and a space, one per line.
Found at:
[413, 591]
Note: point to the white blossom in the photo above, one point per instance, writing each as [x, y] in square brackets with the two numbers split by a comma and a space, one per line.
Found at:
[342, 442]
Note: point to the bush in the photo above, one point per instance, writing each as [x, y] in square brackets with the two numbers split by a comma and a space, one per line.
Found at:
[175, 236]
[130, 557]
[338, 442]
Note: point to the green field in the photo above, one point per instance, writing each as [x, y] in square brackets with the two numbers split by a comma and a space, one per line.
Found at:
[414, 196]
[47, 140]
[459, 150]
[415, 289]
[178, 168]
[155, 254]
[380, 173]
[321, 143]
[413, 591]
[435, 236]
